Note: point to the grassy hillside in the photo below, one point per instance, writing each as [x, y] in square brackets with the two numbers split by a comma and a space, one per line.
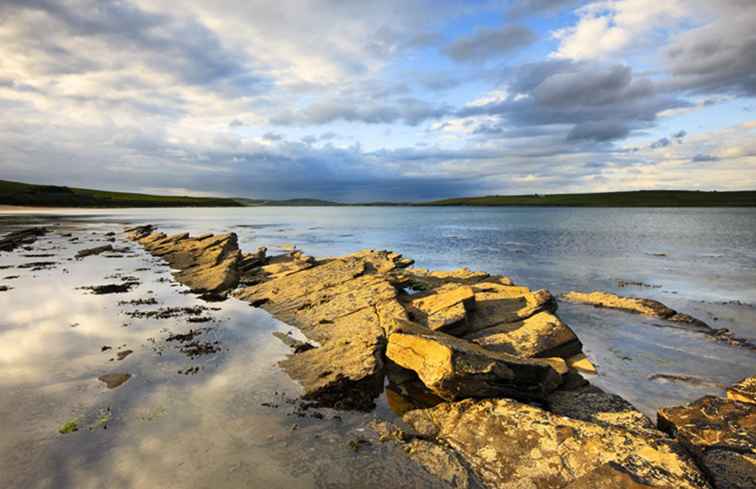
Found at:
[642, 198]
[15, 193]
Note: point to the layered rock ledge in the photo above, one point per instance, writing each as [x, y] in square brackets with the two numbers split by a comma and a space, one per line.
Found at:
[483, 372]
[655, 309]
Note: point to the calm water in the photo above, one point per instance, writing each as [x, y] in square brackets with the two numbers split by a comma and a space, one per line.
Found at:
[226, 418]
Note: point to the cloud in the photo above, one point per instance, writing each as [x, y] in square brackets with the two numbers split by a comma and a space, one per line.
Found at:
[661, 143]
[704, 157]
[407, 110]
[486, 44]
[720, 56]
[595, 101]
[607, 27]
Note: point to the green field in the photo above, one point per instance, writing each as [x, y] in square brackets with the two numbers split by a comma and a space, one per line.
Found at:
[641, 198]
[24, 194]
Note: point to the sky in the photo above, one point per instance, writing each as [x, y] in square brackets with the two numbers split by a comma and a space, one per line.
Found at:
[357, 100]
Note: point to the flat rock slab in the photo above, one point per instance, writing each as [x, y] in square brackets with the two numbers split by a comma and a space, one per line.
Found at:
[541, 335]
[444, 307]
[497, 304]
[456, 369]
[646, 307]
[511, 445]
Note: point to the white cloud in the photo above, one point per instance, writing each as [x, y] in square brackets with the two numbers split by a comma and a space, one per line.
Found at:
[607, 27]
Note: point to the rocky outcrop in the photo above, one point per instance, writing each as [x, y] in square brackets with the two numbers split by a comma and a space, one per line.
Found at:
[349, 307]
[720, 434]
[456, 369]
[459, 348]
[16, 239]
[508, 444]
[207, 263]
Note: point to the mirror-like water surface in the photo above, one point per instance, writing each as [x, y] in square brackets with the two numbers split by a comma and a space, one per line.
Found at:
[205, 405]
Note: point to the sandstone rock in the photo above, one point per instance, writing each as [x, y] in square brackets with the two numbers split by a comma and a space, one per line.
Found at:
[646, 307]
[455, 369]
[346, 305]
[581, 363]
[497, 304]
[423, 279]
[540, 335]
[743, 391]
[344, 373]
[512, 445]
[445, 306]
[721, 434]
[206, 263]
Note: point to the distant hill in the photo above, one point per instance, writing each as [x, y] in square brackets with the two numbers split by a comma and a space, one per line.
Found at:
[640, 198]
[25, 194]
[288, 203]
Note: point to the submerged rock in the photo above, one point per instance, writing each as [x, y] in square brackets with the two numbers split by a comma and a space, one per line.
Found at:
[15, 239]
[94, 251]
[456, 369]
[114, 380]
[111, 288]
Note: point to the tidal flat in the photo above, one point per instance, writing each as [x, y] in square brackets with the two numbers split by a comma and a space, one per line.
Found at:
[114, 374]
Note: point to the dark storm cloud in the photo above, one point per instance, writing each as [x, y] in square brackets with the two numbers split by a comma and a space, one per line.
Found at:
[600, 102]
[486, 44]
[719, 57]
